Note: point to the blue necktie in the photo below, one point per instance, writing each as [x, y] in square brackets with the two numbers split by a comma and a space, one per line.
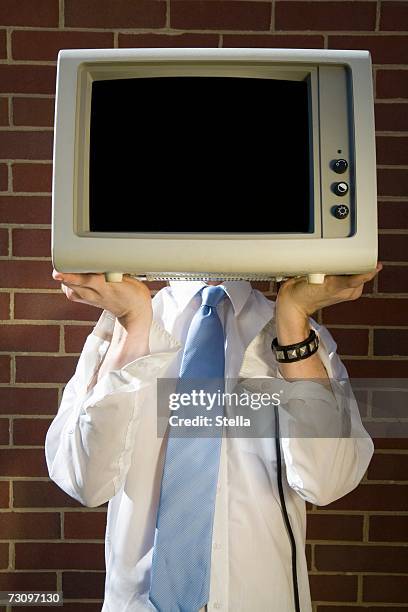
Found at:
[180, 579]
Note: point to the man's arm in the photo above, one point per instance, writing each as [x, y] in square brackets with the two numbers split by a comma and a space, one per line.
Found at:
[321, 465]
[88, 444]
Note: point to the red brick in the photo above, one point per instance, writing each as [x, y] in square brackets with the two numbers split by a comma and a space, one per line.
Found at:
[392, 182]
[393, 215]
[36, 338]
[57, 369]
[391, 116]
[19, 400]
[388, 528]
[75, 336]
[385, 589]
[28, 13]
[3, 177]
[26, 274]
[118, 14]
[335, 608]
[35, 112]
[4, 369]
[88, 585]
[25, 209]
[215, 14]
[31, 242]
[334, 527]
[394, 16]
[388, 467]
[24, 79]
[4, 557]
[383, 49]
[4, 431]
[368, 311]
[52, 306]
[4, 242]
[325, 15]
[350, 341]
[4, 118]
[392, 150]
[26, 145]
[391, 342]
[269, 41]
[84, 525]
[392, 83]
[373, 497]
[45, 44]
[168, 40]
[361, 558]
[4, 306]
[3, 44]
[393, 247]
[389, 403]
[83, 607]
[333, 588]
[391, 443]
[23, 462]
[41, 494]
[29, 525]
[30, 432]
[380, 368]
[59, 555]
[26, 581]
[4, 496]
[393, 279]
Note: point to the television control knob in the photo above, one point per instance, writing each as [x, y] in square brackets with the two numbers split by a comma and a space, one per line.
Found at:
[339, 165]
[340, 189]
[341, 211]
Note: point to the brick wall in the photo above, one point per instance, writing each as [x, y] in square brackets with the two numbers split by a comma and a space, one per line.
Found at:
[357, 547]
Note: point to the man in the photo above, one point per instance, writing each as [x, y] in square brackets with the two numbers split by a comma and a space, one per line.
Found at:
[103, 443]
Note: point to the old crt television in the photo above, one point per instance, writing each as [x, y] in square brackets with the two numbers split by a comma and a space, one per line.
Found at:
[214, 163]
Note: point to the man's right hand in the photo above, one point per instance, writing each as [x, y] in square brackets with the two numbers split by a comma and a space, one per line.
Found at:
[129, 300]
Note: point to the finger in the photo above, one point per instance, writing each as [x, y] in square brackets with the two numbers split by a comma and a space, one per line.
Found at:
[344, 281]
[80, 293]
[91, 281]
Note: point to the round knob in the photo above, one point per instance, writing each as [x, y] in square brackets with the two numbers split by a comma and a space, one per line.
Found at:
[339, 165]
[340, 189]
[341, 211]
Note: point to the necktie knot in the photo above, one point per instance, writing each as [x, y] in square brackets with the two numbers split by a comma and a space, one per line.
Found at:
[212, 295]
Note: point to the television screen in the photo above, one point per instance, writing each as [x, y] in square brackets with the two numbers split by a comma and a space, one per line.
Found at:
[200, 154]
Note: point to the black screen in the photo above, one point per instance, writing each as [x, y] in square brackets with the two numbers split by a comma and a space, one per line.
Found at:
[200, 154]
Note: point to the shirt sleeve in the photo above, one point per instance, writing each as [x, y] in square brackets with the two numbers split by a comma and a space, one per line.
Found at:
[88, 445]
[325, 446]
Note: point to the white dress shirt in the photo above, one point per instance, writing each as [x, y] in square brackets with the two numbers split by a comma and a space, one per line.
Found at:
[103, 446]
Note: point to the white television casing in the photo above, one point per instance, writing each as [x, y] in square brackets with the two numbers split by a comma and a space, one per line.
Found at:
[341, 119]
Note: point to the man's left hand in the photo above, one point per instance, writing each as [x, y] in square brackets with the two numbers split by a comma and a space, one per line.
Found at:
[298, 294]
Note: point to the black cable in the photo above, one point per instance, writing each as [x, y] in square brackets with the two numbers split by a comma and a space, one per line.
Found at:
[284, 511]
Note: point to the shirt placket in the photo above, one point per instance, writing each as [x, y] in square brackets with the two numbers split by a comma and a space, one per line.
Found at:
[218, 599]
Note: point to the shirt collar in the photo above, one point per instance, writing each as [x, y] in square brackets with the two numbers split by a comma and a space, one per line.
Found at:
[237, 291]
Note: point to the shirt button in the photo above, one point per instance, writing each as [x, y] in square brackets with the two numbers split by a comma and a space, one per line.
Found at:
[217, 605]
[216, 546]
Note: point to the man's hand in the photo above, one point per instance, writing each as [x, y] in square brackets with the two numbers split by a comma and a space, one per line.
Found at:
[297, 300]
[129, 300]
[300, 295]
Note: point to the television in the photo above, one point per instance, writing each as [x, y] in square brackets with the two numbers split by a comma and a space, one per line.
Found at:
[214, 164]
